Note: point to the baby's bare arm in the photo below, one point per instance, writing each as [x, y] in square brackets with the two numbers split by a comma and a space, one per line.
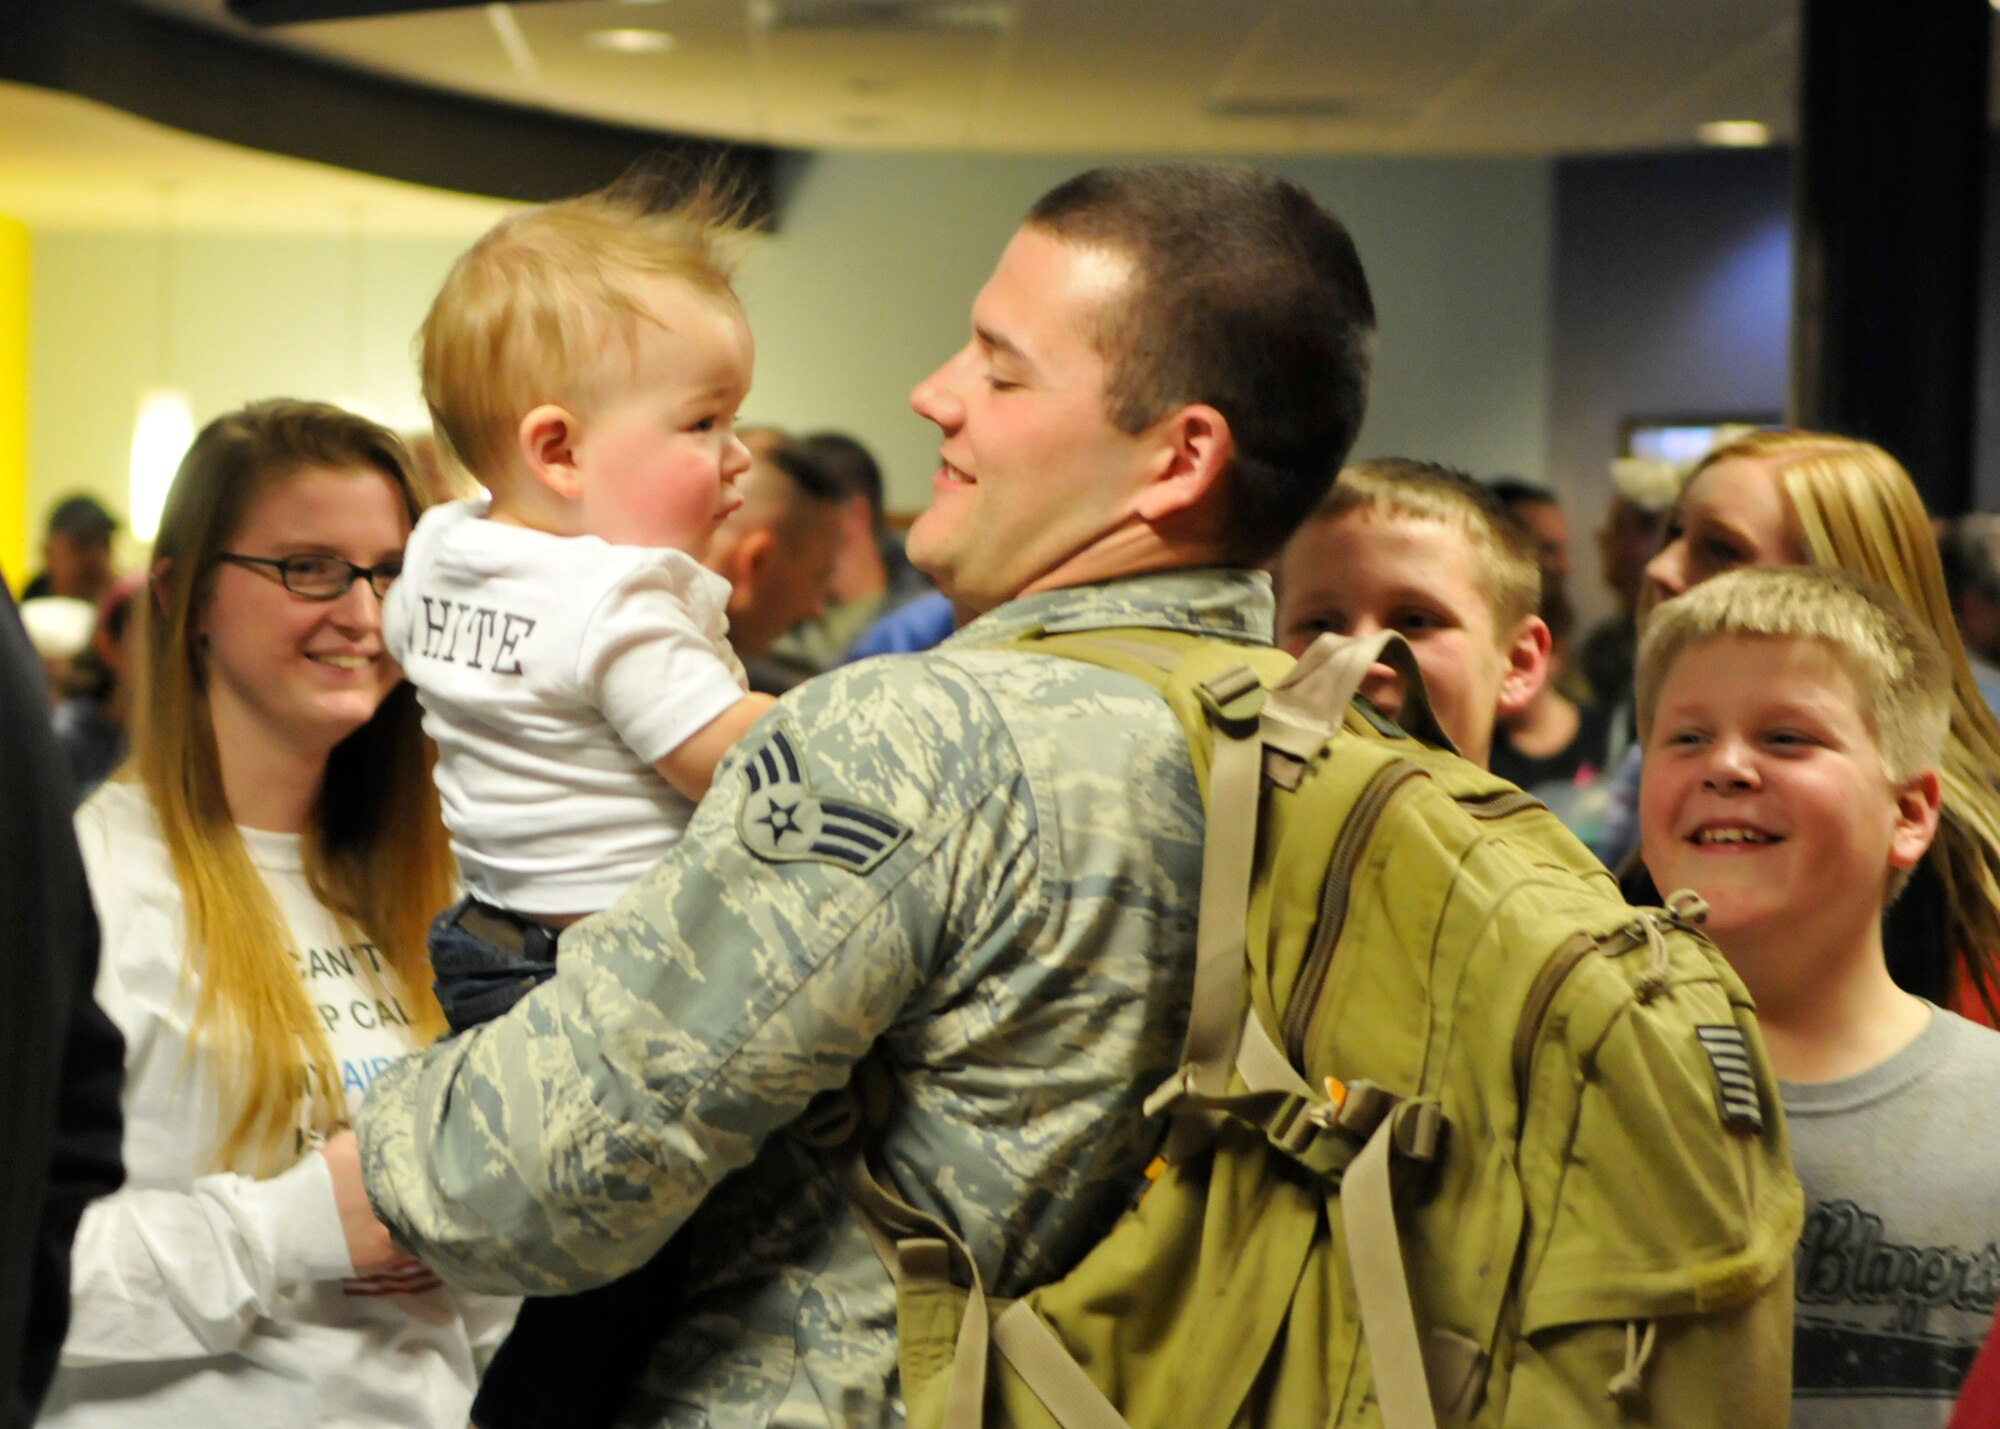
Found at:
[690, 765]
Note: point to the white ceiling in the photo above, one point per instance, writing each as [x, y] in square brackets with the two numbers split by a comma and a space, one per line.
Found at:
[1524, 77]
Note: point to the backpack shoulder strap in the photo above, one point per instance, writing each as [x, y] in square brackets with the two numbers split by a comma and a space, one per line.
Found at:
[1218, 693]
[1331, 672]
[1249, 712]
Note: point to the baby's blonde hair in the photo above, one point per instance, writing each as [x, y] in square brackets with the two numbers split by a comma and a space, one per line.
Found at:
[1898, 668]
[1400, 488]
[527, 314]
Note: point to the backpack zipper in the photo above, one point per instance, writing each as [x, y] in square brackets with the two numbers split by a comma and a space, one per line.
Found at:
[1347, 850]
[1542, 995]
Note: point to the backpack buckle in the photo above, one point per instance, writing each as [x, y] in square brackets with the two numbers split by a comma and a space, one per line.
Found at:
[1365, 1107]
[1169, 1094]
[1233, 696]
[1309, 1132]
[1300, 1121]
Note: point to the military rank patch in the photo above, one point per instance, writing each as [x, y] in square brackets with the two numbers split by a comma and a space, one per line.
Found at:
[1736, 1084]
[782, 820]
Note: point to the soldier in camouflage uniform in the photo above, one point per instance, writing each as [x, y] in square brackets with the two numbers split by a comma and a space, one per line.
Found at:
[982, 863]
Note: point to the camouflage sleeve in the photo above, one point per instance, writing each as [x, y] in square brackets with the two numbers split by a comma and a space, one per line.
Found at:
[849, 841]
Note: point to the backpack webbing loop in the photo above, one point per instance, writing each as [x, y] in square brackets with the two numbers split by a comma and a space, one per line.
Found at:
[1233, 697]
[915, 1248]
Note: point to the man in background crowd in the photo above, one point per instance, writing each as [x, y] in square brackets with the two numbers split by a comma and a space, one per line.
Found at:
[1629, 537]
[777, 551]
[76, 552]
[871, 576]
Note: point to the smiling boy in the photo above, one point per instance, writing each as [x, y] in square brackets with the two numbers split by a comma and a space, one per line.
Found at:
[1431, 554]
[1793, 721]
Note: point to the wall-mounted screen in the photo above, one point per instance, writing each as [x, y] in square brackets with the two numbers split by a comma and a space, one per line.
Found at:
[1684, 439]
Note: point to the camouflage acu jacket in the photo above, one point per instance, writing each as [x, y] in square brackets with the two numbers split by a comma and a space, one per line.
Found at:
[987, 861]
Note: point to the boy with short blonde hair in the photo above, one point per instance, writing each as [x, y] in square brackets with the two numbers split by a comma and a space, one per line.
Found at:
[1430, 553]
[1793, 721]
[585, 361]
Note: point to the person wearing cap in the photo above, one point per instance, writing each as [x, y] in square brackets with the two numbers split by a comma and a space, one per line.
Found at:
[1627, 540]
[1630, 537]
[76, 552]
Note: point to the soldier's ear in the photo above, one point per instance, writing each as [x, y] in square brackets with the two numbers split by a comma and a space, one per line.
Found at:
[1190, 449]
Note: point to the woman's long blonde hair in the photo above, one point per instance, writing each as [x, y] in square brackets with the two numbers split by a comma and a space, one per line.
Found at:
[1858, 510]
[375, 849]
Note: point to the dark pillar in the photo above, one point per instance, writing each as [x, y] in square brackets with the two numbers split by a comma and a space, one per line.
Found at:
[1891, 182]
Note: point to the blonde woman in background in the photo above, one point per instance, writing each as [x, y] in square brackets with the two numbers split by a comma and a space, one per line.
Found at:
[1807, 498]
[263, 871]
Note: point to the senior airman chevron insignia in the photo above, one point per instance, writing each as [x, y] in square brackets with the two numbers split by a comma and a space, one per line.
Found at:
[1735, 1084]
[783, 820]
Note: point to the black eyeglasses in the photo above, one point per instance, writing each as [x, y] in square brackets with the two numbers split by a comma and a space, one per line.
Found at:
[322, 577]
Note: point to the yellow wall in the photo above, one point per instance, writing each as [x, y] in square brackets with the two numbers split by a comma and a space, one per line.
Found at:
[13, 402]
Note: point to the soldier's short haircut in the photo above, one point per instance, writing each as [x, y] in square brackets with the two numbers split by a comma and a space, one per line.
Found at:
[1508, 574]
[1897, 665]
[1247, 296]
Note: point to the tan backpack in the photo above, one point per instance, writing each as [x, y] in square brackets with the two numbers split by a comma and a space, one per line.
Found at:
[1459, 1137]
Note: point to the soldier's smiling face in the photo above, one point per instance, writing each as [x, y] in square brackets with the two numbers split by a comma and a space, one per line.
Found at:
[1032, 472]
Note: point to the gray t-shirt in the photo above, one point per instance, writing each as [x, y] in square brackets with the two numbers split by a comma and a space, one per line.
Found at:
[1898, 1266]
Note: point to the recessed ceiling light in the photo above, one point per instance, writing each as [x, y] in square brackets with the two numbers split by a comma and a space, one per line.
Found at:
[630, 42]
[1734, 133]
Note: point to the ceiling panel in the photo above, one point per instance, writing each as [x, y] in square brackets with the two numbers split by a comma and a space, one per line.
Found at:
[1392, 56]
[915, 90]
[1623, 75]
[1338, 76]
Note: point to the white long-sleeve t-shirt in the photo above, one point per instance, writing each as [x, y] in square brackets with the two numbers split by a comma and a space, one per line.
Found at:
[213, 1299]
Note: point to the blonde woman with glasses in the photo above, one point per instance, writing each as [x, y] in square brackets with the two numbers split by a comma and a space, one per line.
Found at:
[263, 870]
